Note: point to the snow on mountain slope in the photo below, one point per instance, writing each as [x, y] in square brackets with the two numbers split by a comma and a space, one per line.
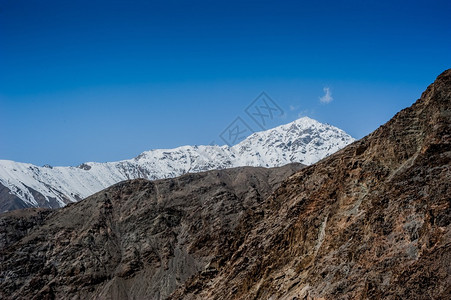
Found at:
[305, 141]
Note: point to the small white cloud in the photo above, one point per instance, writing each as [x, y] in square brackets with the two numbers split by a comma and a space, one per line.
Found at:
[327, 98]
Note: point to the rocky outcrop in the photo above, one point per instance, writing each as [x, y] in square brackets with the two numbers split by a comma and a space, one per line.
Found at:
[138, 239]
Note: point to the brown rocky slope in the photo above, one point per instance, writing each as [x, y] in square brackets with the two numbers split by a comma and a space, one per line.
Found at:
[370, 222]
[137, 239]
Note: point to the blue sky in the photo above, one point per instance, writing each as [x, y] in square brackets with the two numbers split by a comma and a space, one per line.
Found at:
[103, 81]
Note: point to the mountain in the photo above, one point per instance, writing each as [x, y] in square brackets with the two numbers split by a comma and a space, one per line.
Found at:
[304, 141]
[372, 221]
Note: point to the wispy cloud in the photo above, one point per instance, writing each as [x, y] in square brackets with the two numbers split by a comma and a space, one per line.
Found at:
[294, 107]
[327, 98]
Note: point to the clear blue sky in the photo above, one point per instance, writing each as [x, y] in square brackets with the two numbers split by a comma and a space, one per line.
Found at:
[105, 80]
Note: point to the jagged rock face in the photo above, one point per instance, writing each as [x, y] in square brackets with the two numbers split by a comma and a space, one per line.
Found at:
[370, 222]
[138, 239]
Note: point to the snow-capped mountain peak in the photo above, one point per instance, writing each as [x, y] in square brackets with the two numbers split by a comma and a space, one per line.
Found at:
[304, 140]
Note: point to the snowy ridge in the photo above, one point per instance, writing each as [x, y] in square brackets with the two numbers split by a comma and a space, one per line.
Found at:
[304, 140]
